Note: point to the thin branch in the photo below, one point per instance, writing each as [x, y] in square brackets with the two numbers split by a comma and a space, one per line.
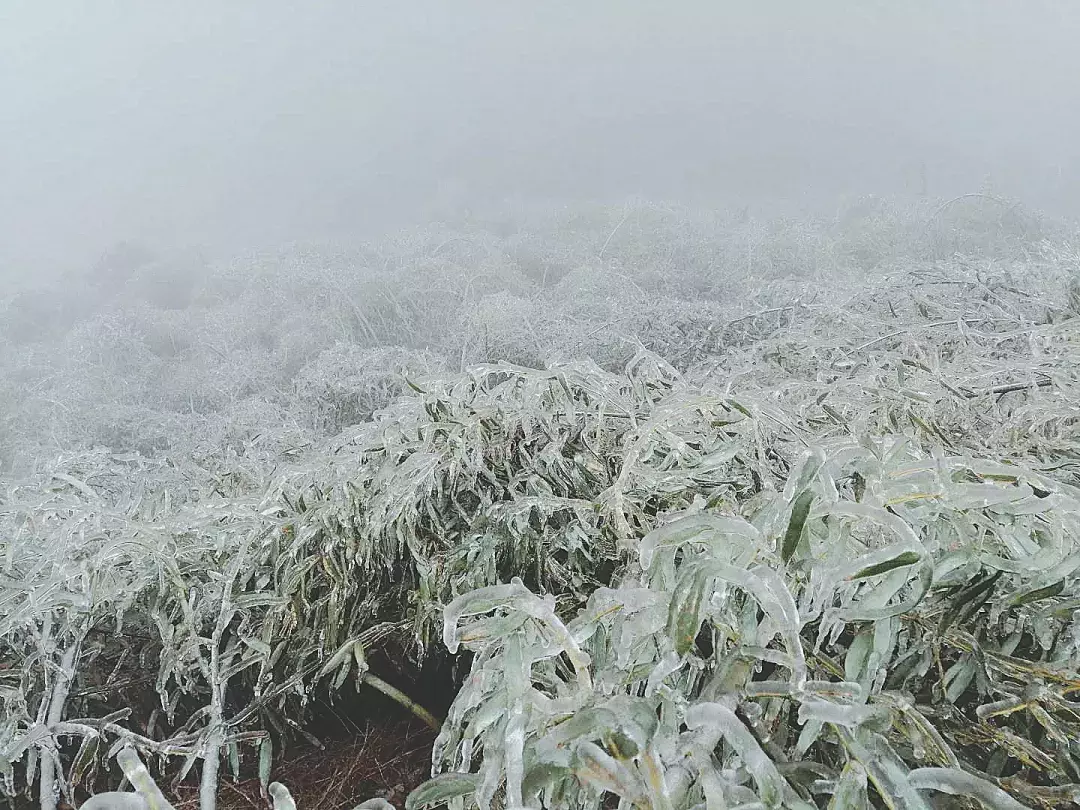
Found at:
[611, 236]
[397, 695]
[931, 325]
[1009, 388]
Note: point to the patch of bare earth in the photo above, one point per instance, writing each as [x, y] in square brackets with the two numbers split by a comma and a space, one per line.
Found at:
[387, 761]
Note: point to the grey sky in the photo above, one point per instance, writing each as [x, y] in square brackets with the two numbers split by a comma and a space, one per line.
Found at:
[246, 124]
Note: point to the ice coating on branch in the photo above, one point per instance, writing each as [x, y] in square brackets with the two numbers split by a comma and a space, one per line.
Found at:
[960, 783]
[115, 800]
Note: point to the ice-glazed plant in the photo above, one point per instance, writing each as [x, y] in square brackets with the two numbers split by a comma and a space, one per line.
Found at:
[888, 626]
[54, 597]
[829, 493]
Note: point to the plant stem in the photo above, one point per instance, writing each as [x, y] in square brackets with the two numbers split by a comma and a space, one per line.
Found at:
[397, 695]
[61, 687]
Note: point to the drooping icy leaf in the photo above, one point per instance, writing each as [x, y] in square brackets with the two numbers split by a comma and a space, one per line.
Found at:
[375, 804]
[714, 721]
[800, 510]
[115, 800]
[670, 663]
[140, 779]
[441, 789]
[900, 559]
[685, 610]
[281, 797]
[850, 790]
[827, 711]
[715, 530]
[596, 767]
[959, 783]
[266, 760]
[885, 770]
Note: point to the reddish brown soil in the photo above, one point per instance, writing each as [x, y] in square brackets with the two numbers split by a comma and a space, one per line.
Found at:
[388, 761]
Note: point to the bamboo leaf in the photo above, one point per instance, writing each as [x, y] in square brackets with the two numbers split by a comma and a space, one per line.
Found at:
[800, 510]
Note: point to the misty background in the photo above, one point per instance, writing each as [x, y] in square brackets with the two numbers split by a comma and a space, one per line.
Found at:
[227, 126]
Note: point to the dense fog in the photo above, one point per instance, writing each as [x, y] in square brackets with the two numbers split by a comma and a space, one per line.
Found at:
[226, 126]
[539, 404]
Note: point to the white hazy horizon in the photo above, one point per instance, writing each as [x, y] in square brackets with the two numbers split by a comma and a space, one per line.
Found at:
[233, 125]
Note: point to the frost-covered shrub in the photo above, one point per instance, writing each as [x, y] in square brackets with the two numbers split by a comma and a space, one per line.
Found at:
[984, 225]
[346, 383]
[590, 292]
[501, 327]
[875, 231]
[167, 284]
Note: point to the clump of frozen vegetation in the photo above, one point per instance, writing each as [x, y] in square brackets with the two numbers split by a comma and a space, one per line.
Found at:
[788, 519]
[887, 624]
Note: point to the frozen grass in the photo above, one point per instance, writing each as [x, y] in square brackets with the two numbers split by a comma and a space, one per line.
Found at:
[766, 514]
